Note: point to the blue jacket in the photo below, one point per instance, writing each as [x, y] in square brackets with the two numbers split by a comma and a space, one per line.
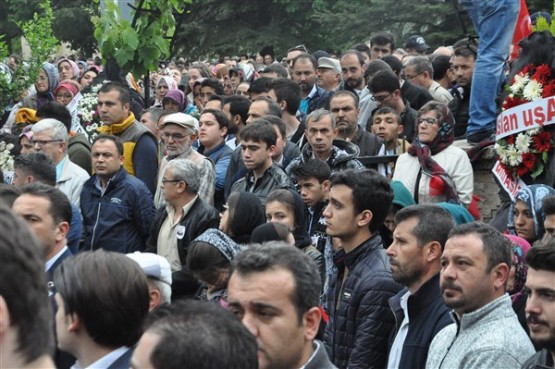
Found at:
[120, 219]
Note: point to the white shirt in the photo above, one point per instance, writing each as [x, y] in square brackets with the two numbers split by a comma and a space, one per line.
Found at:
[53, 259]
[397, 348]
[105, 361]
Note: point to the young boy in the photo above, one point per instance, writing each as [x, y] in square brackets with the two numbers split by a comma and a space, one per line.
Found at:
[386, 123]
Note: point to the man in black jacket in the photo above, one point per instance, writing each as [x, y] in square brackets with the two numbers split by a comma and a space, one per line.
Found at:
[359, 316]
[185, 217]
[414, 255]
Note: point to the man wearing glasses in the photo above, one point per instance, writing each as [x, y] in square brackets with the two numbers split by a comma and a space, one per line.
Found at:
[419, 71]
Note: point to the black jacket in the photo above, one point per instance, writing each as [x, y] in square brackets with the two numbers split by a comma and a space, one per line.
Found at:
[368, 143]
[274, 178]
[200, 217]
[416, 95]
[540, 360]
[460, 106]
[357, 331]
[427, 316]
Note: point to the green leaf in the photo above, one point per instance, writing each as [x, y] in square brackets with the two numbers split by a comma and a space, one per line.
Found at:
[123, 56]
[545, 156]
[537, 171]
[130, 38]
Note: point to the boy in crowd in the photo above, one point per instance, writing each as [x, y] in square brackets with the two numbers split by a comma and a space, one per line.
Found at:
[386, 124]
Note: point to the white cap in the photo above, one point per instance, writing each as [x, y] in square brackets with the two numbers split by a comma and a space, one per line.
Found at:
[154, 266]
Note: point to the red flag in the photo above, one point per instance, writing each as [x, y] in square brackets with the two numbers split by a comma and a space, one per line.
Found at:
[523, 29]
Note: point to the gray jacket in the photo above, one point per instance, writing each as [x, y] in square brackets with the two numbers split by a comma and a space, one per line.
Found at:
[490, 337]
[319, 360]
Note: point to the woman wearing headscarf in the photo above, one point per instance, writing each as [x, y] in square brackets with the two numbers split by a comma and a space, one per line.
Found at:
[67, 93]
[517, 277]
[164, 84]
[526, 214]
[68, 69]
[272, 231]
[175, 101]
[242, 214]
[433, 169]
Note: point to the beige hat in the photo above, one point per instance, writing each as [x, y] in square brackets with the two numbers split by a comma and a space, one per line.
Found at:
[329, 63]
[154, 266]
[182, 120]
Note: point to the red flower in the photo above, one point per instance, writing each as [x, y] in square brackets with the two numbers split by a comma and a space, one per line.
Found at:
[511, 102]
[542, 141]
[527, 165]
[548, 89]
[510, 139]
[542, 74]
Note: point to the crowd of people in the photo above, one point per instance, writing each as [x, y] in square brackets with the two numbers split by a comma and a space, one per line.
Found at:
[314, 212]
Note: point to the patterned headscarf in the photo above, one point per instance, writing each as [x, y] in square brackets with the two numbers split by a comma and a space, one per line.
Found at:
[445, 137]
[532, 196]
[520, 249]
[221, 241]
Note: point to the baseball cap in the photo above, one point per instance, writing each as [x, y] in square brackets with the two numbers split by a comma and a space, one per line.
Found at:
[417, 42]
[153, 265]
[329, 63]
[182, 120]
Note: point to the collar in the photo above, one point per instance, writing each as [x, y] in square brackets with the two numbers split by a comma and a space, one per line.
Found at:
[54, 258]
[316, 346]
[371, 244]
[118, 128]
[105, 361]
[60, 167]
[494, 310]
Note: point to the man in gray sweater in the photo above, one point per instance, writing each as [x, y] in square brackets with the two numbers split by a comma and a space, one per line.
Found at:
[475, 267]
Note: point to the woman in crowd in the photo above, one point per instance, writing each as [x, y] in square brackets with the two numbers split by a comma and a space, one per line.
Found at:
[87, 78]
[68, 69]
[243, 213]
[272, 231]
[526, 214]
[164, 84]
[174, 101]
[433, 169]
[67, 94]
[517, 277]
[209, 259]
[196, 72]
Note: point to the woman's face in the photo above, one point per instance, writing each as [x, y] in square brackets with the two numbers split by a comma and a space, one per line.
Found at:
[171, 105]
[26, 146]
[65, 70]
[87, 79]
[161, 90]
[42, 82]
[278, 212]
[428, 127]
[194, 75]
[224, 220]
[64, 96]
[524, 222]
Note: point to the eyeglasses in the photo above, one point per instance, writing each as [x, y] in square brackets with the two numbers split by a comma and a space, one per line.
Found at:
[427, 121]
[380, 98]
[42, 142]
[164, 180]
[174, 136]
[298, 48]
[407, 77]
[64, 96]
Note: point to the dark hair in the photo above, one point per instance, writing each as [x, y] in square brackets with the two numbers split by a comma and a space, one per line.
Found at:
[59, 208]
[548, 205]
[260, 85]
[24, 288]
[124, 94]
[278, 69]
[238, 105]
[271, 231]
[220, 117]
[374, 67]
[356, 53]
[194, 334]
[213, 83]
[109, 293]
[421, 64]
[155, 113]
[312, 168]
[260, 130]
[205, 260]
[371, 191]
[278, 122]
[362, 48]
[216, 98]
[465, 48]
[384, 81]
[441, 64]
[433, 223]
[8, 194]
[246, 212]
[288, 91]
[279, 255]
[394, 63]
[383, 38]
[304, 56]
[350, 94]
[54, 110]
[388, 110]
[38, 165]
[286, 198]
[498, 248]
[542, 257]
[273, 107]
[114, 139]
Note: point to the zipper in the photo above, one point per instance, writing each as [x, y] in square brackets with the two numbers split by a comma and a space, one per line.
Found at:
[96, 223]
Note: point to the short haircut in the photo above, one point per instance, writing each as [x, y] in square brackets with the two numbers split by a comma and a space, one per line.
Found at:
[108, 291]
[187, 171]
[350, 94]
[384, 81]
[498, 248]
[279, 123]
[387, 110]
[383, 38]
[59, 130]
[203, 69]
[222, 120]
[394, 62]
[38, 165]
[213, 83]
[273, 107]
[441, 64]
[280, 255]
[278, 69]
[548, 205]
[124, 94]
[542, 257]
[421, 64]
[155, 113]
[260, 85]
[216, 98]
[8, 194]
[433, 223]
[24, 288]
[318, 114]
[60, 207]
[304, 56]
[374, 67]
[466, 48]
[54, 110]
[288, 91]
[363, 48]
[371, 191]
[238, 105]
[356, 53]
[260, 130]
[312, 168]
[194, 334]
[114, 139]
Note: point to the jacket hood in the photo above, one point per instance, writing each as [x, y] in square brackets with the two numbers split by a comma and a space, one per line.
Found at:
[341, 151]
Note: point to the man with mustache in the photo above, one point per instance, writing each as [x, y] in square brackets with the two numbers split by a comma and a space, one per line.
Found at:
[303, 73]
[475, 267]
[352, 67]
[540, 307]
[414, 255]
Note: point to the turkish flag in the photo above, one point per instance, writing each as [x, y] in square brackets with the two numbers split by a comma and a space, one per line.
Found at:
[523, 29]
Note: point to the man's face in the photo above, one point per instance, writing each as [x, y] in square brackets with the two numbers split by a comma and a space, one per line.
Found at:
[540, 307]
[549, 226]
[242, 90]
[353, 72]
[111, 109]
[169, 186]
[205, 93]
[280, 144]
[312, 191]
[235, 81]
[256, 154]
[405, 255]
[463, 68]
[320, 135]
[209, 131]
[386, 126]
[146, 120]
[414, 77]
[292, 55]
[327, 78]
[304, 74]
[385, 98]
[268, 59]
[465, 283]
[258, 109]
[63, 322]
[379, 51]
[106, 160]
[145, 346]
[346, 114]
[341, 216]
[43, 142]
[176, 138]
[263, 303]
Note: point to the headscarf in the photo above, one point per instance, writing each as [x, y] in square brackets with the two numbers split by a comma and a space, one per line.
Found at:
[532, 196]
[247, 214]
[85, 67]
[520, 249]
[445, 137]
[53, 79]
[221, 241]
[458, 212]
[178, 97]
[302, 238]
[267, 232]
[401, 196]
[170, 82]
[69, 85]
[74, 67]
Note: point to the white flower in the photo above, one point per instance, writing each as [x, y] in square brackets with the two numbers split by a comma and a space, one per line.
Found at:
[519, 83]
[533, 131]
[522, 143]
[513, 156]
[532, 91]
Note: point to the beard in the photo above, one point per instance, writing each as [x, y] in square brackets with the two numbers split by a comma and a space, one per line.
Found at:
[353, 83]
[346, 131]
[407, 276]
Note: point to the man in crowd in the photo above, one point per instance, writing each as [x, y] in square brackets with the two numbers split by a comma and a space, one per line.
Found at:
[548, 205]
[208, 88]
[418, 240]
[102, 299]
[304, 74]
[159, 276]
[381, 44]
[386, 124]
[236, 109]
[462, 65]
[261, 107]
[419, 71]
[117, 208]
[352, 67]
[475, 267]
[360, 318]
[416, 45]
[328, 74]
[275, 291]
[141, 152]
[288, 95]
